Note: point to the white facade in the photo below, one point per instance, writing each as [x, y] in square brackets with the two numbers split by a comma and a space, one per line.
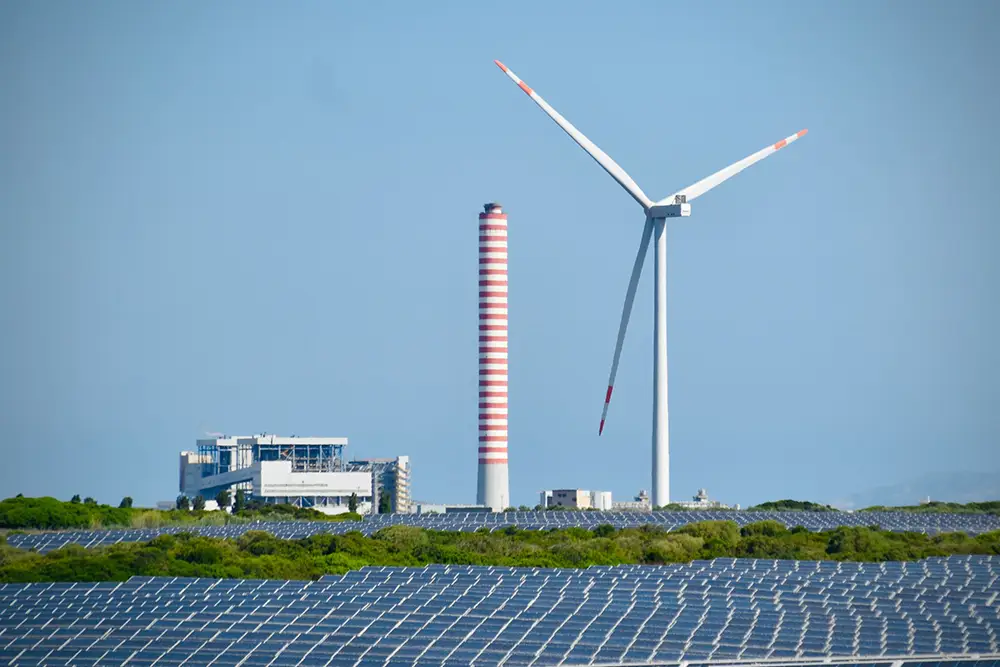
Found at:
[701, 501]
[401, 500]
[580, 499]
[429, 508]
[275, 479]
[493, 487]
[388, 475]
[190, 473]
[639, 504]
[301, 471]
[443, 508]
[601, 500]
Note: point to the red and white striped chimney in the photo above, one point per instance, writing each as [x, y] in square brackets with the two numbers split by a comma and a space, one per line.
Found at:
[494, 488]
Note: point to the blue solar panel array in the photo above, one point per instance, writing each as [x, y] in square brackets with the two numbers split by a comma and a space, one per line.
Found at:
[469, 521]
[920, 522]
[445, 615]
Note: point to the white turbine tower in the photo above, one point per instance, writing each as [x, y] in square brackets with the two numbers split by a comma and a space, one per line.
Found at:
[675, 206]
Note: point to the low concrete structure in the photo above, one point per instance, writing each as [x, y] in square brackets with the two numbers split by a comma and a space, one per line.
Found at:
[639, 504]
[577, 499]
[701, 501]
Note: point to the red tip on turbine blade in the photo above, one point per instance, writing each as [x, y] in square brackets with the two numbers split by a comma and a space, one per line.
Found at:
[601, 430]
[500, 65]
[802, 133]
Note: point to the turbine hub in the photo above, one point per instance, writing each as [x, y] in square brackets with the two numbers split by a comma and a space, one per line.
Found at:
[670, 211]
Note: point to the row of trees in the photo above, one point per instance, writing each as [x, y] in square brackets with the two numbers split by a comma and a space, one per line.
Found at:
[239, 502]
[49, 513]
[260, 555]
[938, 507]
[222, 499]
[124, 504]
[791, 506]
[52, 514]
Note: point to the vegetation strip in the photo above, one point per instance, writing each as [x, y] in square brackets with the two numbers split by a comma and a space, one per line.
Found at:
[46, 513]
[257, 554]
[50, 514]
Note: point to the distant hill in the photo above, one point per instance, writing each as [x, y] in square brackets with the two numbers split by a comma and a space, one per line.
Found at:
[950, 487]
[791, 506]
[988, 507]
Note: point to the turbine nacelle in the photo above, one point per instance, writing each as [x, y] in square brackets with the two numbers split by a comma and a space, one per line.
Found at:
[669, 211]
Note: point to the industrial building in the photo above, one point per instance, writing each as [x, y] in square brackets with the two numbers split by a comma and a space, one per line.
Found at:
[493, 488]
[577, 499]
[304, 472]
[388, 476]
[447, 508]
[701, 501]
[638, 504]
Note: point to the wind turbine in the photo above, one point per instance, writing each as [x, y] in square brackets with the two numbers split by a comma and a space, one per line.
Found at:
[675, 206]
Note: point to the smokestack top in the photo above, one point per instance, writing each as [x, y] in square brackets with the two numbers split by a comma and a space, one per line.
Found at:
[492, 207]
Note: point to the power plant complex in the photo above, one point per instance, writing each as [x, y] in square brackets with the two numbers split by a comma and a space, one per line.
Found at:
[313, 473]
[578, 580]
[303, 472]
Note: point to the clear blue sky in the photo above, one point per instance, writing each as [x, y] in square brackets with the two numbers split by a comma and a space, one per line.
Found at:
[253, 216]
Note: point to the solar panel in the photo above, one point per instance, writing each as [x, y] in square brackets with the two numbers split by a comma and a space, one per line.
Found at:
[929, 523]
[727, 609]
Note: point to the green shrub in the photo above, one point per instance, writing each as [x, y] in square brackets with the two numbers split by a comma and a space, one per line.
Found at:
[791, 506]
[764, 528]
[49, 514]
[52, 514]
[260, 554]
[604, 530]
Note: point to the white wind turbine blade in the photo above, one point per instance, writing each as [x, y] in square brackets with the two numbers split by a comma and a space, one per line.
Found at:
[704, 185]
[586, 144]
[647, 232]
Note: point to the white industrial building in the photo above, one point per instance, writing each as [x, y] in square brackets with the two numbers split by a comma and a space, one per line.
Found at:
[701, 501]
[389, 476]
[304, 472]
[578, 499]
[446, 508]
[640, 503]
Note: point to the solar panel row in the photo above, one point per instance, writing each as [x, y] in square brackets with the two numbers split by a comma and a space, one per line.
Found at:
[470, 521]
[444, 615]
